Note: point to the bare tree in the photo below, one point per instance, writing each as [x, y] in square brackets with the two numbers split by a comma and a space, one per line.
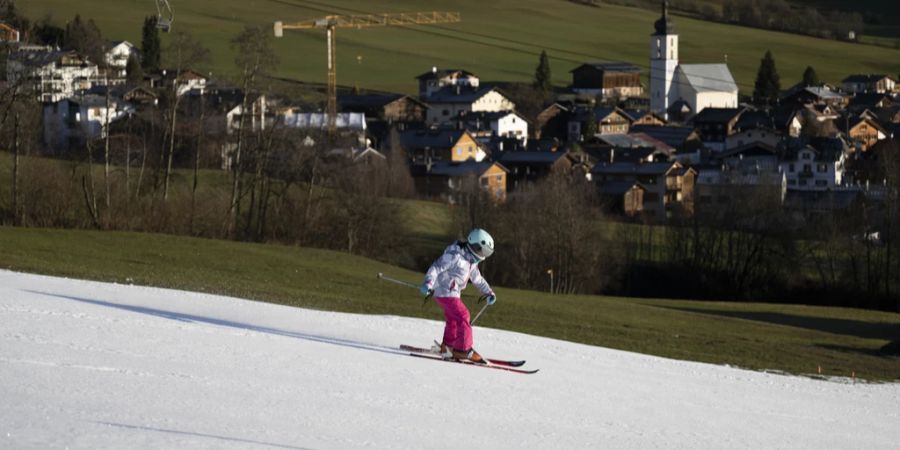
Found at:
[183, 52]
[255, 58]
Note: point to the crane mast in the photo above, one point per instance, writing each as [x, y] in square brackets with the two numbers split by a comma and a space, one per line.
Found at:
[331, 23]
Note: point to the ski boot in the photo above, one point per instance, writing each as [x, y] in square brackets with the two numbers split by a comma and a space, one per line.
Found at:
[470, 355]
[442, 350]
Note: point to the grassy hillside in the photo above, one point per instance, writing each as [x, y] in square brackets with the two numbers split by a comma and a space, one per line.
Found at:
[498, 40]
[780, 337]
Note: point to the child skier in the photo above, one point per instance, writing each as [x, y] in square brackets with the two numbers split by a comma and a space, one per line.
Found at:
[446, 278]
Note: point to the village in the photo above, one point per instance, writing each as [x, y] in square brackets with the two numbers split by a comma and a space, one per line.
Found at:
[688, 141]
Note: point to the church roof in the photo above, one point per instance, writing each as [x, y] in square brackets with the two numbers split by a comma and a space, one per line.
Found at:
[709, 77]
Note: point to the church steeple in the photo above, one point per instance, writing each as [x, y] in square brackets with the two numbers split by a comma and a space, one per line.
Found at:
[664, 24]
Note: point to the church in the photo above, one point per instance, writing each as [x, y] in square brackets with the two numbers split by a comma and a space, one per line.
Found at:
[684, 89]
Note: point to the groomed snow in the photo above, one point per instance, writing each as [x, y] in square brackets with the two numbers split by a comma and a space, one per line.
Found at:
[103, 366]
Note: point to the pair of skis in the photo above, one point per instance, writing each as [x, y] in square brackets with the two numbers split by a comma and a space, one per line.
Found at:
[491, 363]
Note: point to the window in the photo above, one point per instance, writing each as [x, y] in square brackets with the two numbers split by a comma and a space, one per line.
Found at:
[792, 182]
[807, 168]
[459, 151]
[805, 155]
[823, 168]
[791, 168]
[821, 183]
[446, 112]
[803, 182]
[499, 178]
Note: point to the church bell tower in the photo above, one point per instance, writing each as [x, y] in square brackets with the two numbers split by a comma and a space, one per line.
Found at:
[663, 61]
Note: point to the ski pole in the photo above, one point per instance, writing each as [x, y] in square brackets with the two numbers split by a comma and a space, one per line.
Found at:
[381, 276]
[479, 314]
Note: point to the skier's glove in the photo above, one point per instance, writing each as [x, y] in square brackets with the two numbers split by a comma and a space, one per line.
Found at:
[491, 299]
[424, 289]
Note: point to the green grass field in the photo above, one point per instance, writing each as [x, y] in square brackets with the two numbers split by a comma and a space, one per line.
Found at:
[497, 40]
[794, 339]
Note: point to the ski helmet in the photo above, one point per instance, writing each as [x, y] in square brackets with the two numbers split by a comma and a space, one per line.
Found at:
[480, 243]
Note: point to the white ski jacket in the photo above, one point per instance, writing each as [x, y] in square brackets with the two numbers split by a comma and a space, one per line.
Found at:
[450, 273]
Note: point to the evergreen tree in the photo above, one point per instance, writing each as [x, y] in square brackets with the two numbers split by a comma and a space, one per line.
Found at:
[810, 77]
[133, 70]
[542, 79]
[768, 85]
[84, 38]
[150, 45]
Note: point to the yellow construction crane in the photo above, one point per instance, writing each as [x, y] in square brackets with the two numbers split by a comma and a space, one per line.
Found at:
[330, 23]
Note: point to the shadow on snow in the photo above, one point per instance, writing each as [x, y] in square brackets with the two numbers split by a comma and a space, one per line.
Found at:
[191, 318]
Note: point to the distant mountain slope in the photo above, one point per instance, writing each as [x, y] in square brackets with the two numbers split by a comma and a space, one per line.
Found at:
[497, 40]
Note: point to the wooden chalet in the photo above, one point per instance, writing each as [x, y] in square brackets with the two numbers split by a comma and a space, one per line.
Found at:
[389, 108]
[451, 181]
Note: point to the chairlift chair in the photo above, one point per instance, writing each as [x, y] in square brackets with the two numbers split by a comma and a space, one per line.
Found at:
[164, 15]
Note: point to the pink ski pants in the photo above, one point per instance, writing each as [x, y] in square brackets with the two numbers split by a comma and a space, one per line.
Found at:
[457, 329]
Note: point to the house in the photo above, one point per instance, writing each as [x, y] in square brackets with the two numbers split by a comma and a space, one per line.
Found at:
[699, 86]
[815, 168]
[502, 124]
[623, 197]
[761, 135]
[609, 120]
[867, 100]
[388, 108]
[863, 131]
[525, 167]
[552, 122]
[681, 138]
[451, 181]
[52, 75]
[644, 117]
[715, 125]
[436, 80]
[748, 173]
[425, 146]
[71, 122]
[813, 95]
[636, 147]
[869, 83]
[669, 185]
[9, 34]
[453, 101]
[614, 80]
[186, 81]
[116, 57]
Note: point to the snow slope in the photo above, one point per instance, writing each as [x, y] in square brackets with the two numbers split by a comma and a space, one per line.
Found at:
[93, 365]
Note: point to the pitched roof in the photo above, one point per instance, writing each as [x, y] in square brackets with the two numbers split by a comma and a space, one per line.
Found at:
[443, 138]
[530, 158]
[672, 136]
[434, 73]
[618, 187]
[373, 101]
[469, 167]
[610, 67]
[460, 94]
[709, 77]
[752, 149]
[865, 78]
[718, 115]
[627, 168]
